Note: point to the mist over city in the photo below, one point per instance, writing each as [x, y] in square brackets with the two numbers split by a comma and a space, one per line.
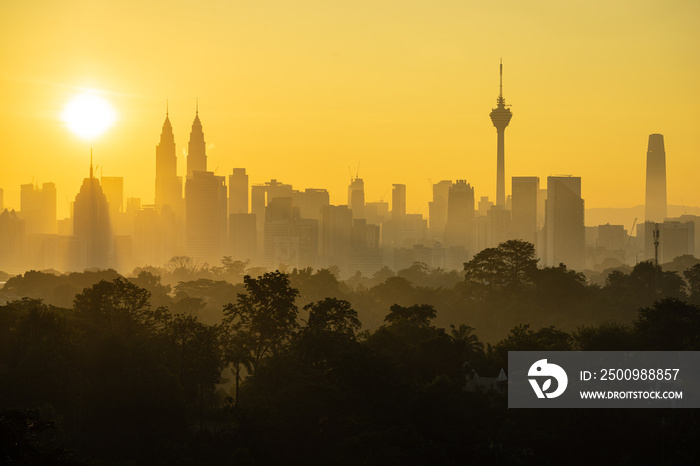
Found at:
[264, 234]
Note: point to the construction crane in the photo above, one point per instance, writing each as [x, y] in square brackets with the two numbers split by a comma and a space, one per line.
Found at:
[381, 199]
[631, 230]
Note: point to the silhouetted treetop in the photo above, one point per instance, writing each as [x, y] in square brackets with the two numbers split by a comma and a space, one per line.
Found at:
[332, 315]
[418, 314]
[266, 314]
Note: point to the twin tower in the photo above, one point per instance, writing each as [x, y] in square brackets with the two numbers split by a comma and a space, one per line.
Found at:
[168, 184]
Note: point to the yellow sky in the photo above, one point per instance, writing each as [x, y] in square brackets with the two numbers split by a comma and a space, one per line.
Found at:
[301, 90]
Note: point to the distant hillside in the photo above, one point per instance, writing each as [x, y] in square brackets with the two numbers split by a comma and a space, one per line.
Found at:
[626, 215]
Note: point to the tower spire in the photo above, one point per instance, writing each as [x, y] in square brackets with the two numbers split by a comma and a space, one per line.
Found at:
[501, 85]
[167, 113]
[91, 162]
[196, 107]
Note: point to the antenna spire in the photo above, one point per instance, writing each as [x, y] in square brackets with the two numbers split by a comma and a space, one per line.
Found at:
[197, 106]
[166, 108]
[91, 162]
[501, 72]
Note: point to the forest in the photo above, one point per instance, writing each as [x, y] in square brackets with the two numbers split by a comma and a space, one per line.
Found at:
[191, 364]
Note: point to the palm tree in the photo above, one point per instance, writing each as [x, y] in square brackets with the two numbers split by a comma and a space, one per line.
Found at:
[467, 341]
[237, 352]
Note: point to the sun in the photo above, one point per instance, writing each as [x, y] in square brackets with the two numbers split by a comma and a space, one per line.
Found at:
[88, 115]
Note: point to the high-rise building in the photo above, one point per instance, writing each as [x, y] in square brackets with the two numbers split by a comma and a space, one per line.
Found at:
[205, 216]
[398, 201]
[91, 223]
[290, 241]
[524, 208]
[376, 212]
[459, 231]
[336, 231]
[365, 253]
[310, 202]
[168, 184]
[156, 234]
[695, 219]
[262, 194]
[197, 148]
[484, 206]
[113, 187]
[611, 237]
[242, 237]
[655, 202]
[356, 197]
[38, 208]
[499, 225]
[437, 209]
[564, 222]
[500, 116]
[238, 192]
[12, 239]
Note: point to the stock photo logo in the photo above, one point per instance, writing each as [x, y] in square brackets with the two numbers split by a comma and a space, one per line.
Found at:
[540, 376]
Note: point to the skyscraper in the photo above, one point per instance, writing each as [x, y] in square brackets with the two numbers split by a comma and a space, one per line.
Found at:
[356, 197]
[168, 184]
[524, 213]
[197, 148]
[91, 222]
[113, 187]
[205, 216]
[459, 230]
[655, 202]
[564, 227]
[398, 201]
[499, 225]
[38, 208]
[336, 233]
[238, 192]
[500, 116]
[12, 239]
[438, 209]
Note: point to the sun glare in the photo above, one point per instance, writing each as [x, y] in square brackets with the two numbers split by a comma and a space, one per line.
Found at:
[88, 115]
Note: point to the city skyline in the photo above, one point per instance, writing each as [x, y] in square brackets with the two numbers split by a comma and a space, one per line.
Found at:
[183, 169]
[409, 105]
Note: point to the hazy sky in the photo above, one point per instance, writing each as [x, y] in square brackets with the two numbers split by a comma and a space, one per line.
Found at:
[300, 90]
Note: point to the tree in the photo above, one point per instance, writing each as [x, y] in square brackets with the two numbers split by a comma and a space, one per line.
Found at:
[120, 306]
[265, 315]
[160, 294]
[237, 352]
[468, 343]
[314, 286]
[605, 337]
[512, 264]
[692, 276]
[381, 275]
[486, 269]
[669, 325]
[418, 314]
[27, 437]
[522, 338]
[519, 262]
[231, 270]
[199, 356]
[416, 273]
[333, 315]
[185, 268]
